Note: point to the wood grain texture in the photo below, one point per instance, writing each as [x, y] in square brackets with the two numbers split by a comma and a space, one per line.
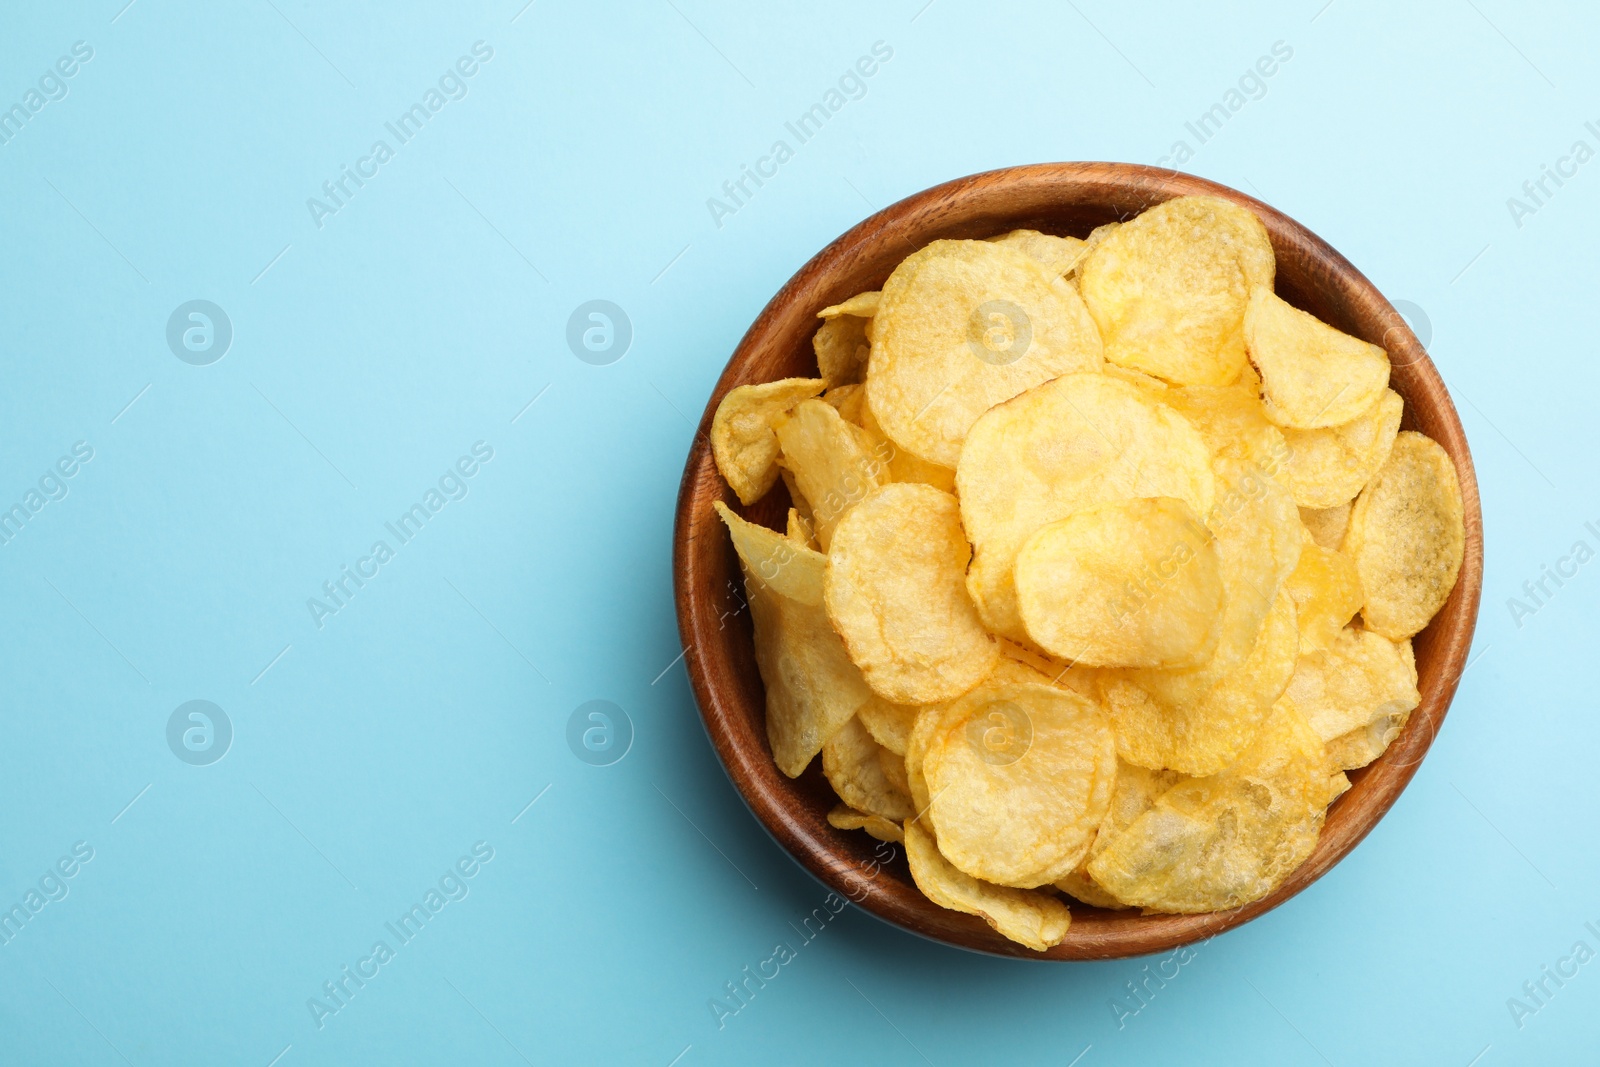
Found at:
[1070, 199]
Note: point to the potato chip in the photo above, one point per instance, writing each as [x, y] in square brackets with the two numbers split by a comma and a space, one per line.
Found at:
[841, 348]
[894, 769]
[1361, 681]
[799, 530]
[903, 466]
[830, 463]
[1328, 467]
[848, 400]
[843, 817]
[850, 761]
[1223, 841]
[1135, 583]
[1312, 375]
[922, 732]
[1080, 440]
[1327, 525]
[1364, 744]
[1058, 255]
[1019, 778]
[964, 325]
[742, 439]
[1338, 785]
[797, 499]
[1232, 423]
[812, 687]
[1096, 235]
[1326, 591]
[896, 592]
[1136, 791]
[889, 724]
[862, 305]
[1407, 538]
[1169, 288]
[1033, 919]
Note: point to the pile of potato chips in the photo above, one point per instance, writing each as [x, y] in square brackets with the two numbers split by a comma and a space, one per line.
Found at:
[1102, 567]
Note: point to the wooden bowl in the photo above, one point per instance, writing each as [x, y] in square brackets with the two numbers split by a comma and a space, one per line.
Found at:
[1060, 198]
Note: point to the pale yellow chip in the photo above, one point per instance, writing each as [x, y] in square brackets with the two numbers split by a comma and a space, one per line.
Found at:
[830, 461]
[1327, 525]
[1019, 778]
[1223, 841]
[1361, 746]
[1233, 423]
[849, 401]
[1326, 591]
[843, 817]
[812, 687]
[862, 305]
[896, 592]
[894, 769]
[1338, 785]
[903, 466]
[742, 439]
[1169, 288]
[1058, 255]
[964, 325]
[889, 724]
[1406, 537]
[1361, 682]
[1312, 374]
[850, 761]
[1136, 792]
[1029, 918]
[1328, 467]
[1134, 583]
[841, 348]
[799, 530]
[1080, 440]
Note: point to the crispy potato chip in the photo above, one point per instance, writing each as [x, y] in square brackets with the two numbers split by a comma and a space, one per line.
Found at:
[1036, 920]
[1326, 591]
[1080, 440]
[1134, 583]
[849, 401]
[799, 530]
[812, 687]
[1361, 746]
[1058, 255]
[889, 724]
[830, 463]
[1169, 288]
[841, 348]
[1220, 842]
[850, 760]
[894, 769]
[964, 325]
[1338, 785]
[896, 592]
[797, 499]
[742, 439]
[1327, 525]
[1019, 778]
[1361, 681]
[1407, 538]
[862, 305]
[843, 817]
[1312, 374]
[1096, 235]
[1328, 467]
[1233, 424]
[903, 466]
[1136, 791]
[922, 732]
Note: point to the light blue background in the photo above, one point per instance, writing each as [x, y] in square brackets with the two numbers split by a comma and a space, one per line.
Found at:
[425, 316]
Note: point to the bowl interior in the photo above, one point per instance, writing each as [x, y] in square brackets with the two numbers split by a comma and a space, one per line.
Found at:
[1067, 199]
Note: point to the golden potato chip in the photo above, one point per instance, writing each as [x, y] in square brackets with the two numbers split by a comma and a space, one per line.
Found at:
[1407, 538]
[850, 761]
[1226, 840]
[1058, 255]
[1328, 467]
[830, 463]
[812, 687]
[1080, 440]
[1327, 525]
[841, 348]
[797, 499]
[1033, 919]
[896, 592]
[1134, 583]
[962, 326]
[1326, 591]
[799, 530]
[849, 401]
[894, 769]
[862, 305]
[842, 817]
[1136, 791]
[903, 466]
[1338, 785]
[742, 439]
[1312, 374]
[1096, 235]
[1233, 424]
[1019, 779]
[889, 724]
[1364, 744]
[1361, 681]
[1169, 288]
[922, 732]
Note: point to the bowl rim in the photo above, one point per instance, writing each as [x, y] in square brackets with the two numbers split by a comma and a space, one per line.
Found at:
[824, 852]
